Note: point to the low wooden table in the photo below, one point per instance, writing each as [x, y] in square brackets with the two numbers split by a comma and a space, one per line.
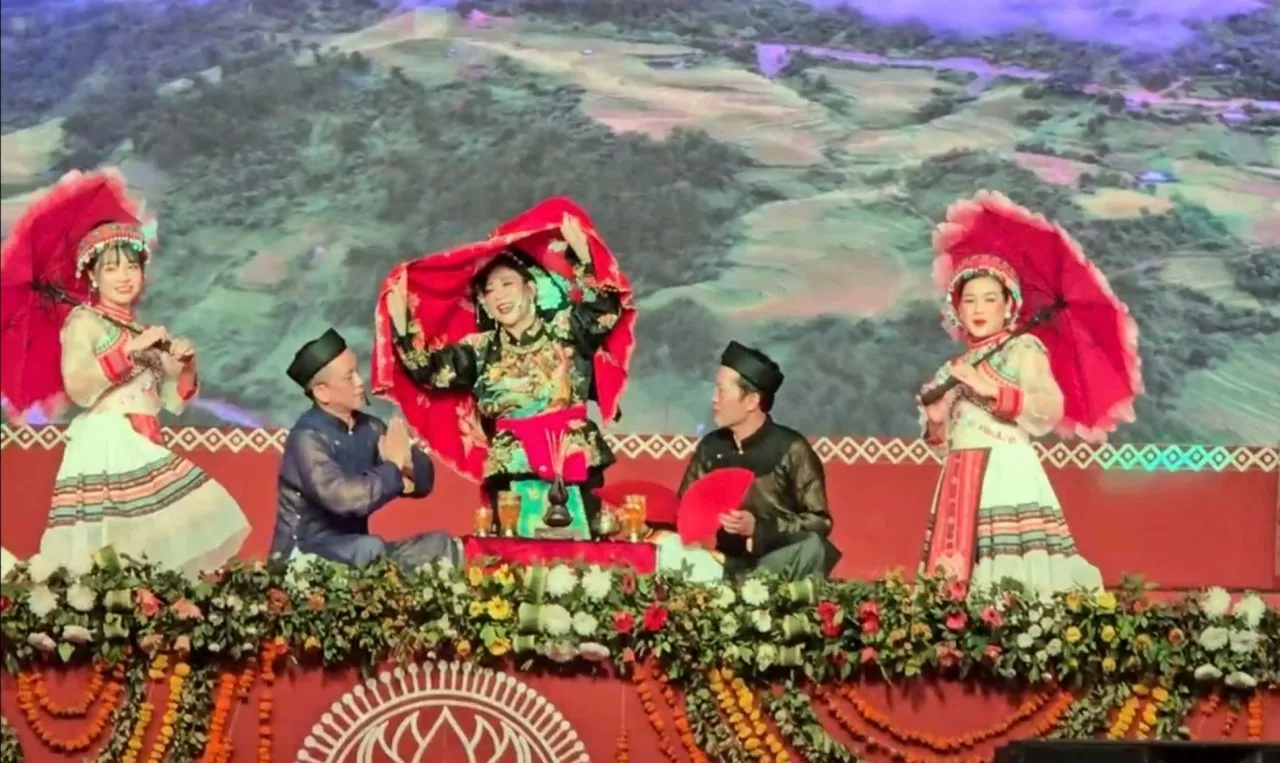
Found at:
[641, 557]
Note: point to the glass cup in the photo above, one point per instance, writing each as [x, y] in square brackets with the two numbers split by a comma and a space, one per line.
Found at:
[633, 516]
[508, 512]
[483, 522]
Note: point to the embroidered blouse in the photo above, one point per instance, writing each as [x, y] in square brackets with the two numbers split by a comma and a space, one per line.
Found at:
[100, 375]
[1029, 402]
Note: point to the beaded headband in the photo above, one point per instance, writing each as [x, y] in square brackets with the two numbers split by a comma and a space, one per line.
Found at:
[982, 265]
[109, 236]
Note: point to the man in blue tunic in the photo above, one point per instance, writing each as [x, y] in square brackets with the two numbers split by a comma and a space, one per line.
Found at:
[340, 465]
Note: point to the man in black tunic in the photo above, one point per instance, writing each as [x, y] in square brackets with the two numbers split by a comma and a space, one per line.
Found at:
[783, 524]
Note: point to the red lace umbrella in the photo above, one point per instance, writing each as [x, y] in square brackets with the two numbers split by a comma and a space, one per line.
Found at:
[1066, 303]
[39, 285]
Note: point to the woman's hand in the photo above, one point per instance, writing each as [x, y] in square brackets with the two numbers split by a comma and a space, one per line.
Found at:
[969, 377]
[182, 349]
[171, 366]
[150, 337]
[398, 305]
[937, 412]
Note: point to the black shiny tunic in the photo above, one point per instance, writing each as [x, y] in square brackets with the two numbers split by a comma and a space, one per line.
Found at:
[788, 496]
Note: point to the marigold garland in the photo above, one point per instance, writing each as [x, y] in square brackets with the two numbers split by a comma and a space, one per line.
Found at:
[738, 706]
[218, 748]
[680, 718]
[77, 710]
[145, 713]
[1253, 726]
[271, 652]
[1124, 718]
[1229, 724]
[622, 753]
[172, 713]
[29, 703]
[1048, 720]
[640, 675]
[945, 744]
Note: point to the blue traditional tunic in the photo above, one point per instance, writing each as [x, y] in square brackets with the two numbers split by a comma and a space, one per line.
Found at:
[332, 480]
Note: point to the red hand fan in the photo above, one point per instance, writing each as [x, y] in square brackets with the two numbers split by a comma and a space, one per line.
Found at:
[718, 493]
[660, 501]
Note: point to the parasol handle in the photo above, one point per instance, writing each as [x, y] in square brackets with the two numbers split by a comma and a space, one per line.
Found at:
[55, 293]
[1041, 316]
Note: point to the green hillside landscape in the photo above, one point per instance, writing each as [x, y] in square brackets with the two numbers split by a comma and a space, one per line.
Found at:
[291, 164]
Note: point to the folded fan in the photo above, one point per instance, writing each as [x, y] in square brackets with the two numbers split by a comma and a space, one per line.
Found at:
[709, 498]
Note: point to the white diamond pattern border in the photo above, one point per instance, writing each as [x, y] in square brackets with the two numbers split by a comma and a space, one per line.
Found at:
[844, 450]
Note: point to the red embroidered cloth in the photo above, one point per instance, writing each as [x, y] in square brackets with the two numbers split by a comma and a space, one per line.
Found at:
[641, 557]
[439, 296]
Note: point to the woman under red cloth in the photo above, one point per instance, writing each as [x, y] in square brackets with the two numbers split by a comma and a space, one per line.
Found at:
[493, 351]
[118, 485]
[995, 516]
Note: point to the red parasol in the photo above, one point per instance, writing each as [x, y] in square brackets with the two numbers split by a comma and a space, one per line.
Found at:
[440, 299]
[1066, 303]
[708, 498]
[39, 285]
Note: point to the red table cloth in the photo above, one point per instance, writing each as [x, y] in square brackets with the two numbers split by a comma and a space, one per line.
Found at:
[641, 557]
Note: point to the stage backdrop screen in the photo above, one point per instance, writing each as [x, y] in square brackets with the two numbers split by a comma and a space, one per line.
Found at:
[767, 171]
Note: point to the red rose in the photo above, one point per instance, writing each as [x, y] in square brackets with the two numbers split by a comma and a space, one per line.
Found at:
[869, 609]
[956, 621]
[838, 658]
[827, 611]
[868, 655]
[948, 655]
[277, 601]
[992, 652]
[957, 590]
[5, 603]
[831, 630]
[148, 603]
[628, 583]
[623, 622]
[655, 617]
[992, 617]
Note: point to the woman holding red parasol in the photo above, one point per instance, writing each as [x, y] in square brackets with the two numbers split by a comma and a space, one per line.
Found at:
[494, 349]
[74, 269]
[1049, 347]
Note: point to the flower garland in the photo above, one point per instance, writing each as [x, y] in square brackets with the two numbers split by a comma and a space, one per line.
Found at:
[793, 714]
[126, 713]
[196, 703]
[29, 703]
[1057, 701]
[717, 740]
[271, 652]
[640, 679]
[724, 642]
[1253, 727]
[679, 718]
[78, 710]
[218, 748]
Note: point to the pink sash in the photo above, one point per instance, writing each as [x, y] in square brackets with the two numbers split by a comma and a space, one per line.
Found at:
[532, 434]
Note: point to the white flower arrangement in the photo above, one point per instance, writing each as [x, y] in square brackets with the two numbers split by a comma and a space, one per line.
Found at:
[596, 583]
[1215, 602]
[561, 580]
[754, 592]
